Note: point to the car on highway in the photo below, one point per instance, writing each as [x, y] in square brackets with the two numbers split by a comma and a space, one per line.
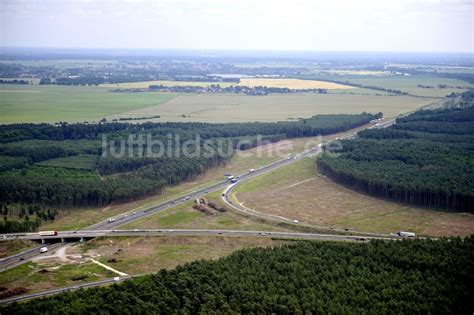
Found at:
[43, 249]
[116, 279]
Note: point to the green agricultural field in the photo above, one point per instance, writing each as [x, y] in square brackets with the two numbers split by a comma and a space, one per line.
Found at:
[39, 103]
[274, 107]
[409, 84]
[360, 91]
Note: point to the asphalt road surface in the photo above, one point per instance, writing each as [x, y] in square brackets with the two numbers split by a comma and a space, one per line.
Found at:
[123, 219]
[107, 226]
[199, 232]
[61, 290]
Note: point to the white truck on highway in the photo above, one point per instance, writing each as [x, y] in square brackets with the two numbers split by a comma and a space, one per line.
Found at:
[406, 234]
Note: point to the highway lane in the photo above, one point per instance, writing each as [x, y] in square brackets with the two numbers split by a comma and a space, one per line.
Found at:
[292, 159]
[18, 259]
[180, 232]
[110, 223]
[129, 217]
[65, 289]
[296, 157]
[231, 187]
[132, 216]
[202, 232]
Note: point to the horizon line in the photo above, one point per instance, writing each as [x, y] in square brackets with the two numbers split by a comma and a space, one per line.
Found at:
[236, 50]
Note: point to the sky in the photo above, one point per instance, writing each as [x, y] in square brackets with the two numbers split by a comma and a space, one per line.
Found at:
[332, 25]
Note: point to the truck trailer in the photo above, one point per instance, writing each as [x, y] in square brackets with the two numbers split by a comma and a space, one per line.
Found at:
[406, 234]
[48, 233]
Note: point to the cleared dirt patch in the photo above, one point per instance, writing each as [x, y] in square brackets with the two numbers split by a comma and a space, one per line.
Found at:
[47, 275]
[150, 254]
[321, 202]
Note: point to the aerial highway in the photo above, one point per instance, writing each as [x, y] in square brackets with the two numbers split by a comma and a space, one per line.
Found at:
[18, 259]
[108, 227]
[64, 289]
[198, 232]
[173, 232]
[126, 218]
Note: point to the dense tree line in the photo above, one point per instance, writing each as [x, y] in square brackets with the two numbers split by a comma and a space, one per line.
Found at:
[14, 81]
[14, 226]
[426, 158]
[319, 124]
[380, 277]
[27, 218]
[126, 177]
[66, 187]
[216, 88]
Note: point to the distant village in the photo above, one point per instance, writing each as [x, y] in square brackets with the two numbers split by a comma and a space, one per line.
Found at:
[216, 88]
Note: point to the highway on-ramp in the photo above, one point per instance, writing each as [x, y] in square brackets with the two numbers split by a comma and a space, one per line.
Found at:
[175, 232]
[126, 218]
